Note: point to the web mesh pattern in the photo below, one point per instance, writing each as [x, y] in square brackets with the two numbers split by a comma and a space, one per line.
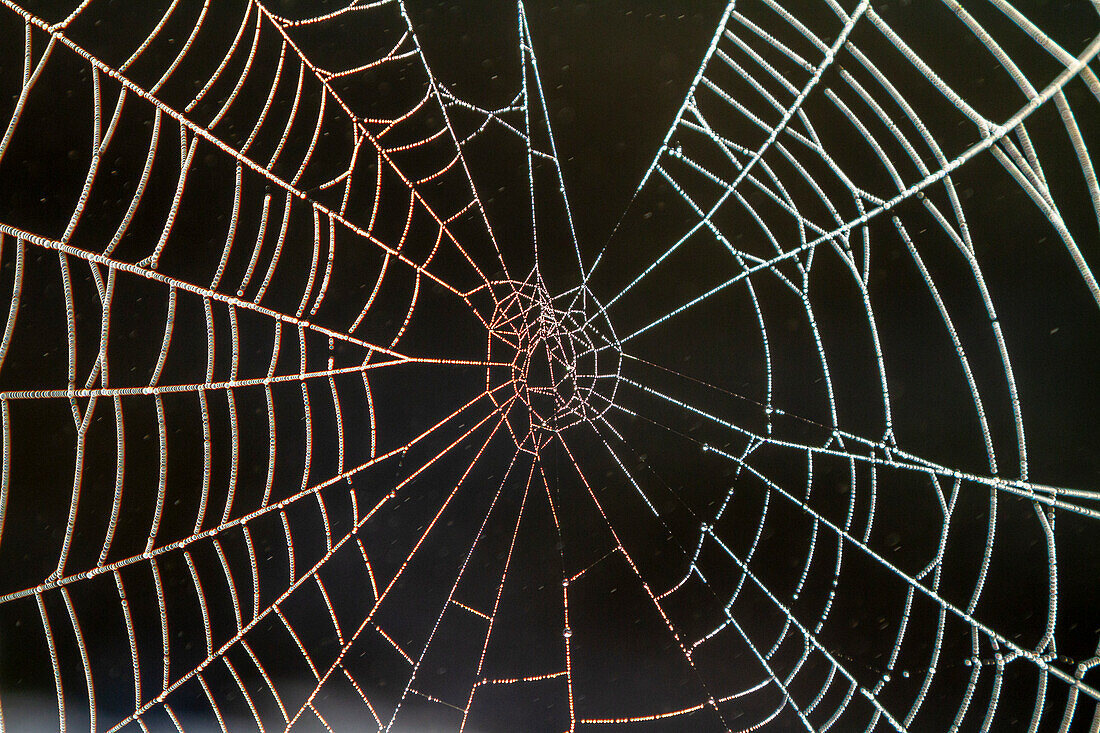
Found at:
[296, 436]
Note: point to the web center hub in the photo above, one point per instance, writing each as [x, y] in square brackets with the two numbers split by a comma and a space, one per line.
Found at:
[563, 356]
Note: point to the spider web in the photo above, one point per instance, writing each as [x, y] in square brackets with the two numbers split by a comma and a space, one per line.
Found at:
[302, 432]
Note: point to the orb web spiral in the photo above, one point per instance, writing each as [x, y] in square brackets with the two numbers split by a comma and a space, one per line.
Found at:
[323, 408]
